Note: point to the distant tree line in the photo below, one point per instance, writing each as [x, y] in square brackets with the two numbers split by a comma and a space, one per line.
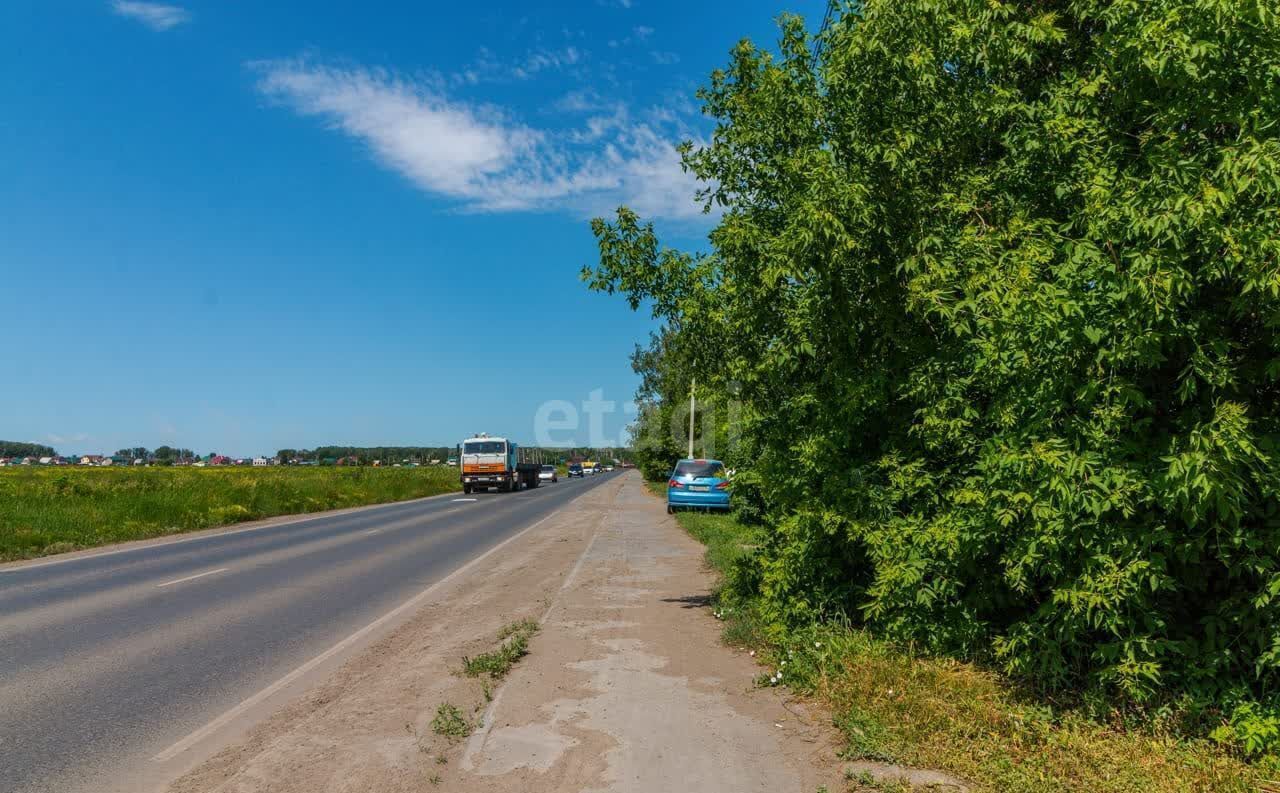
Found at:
[359, 455]
[168, 454]
[19, 449]
[366, 455]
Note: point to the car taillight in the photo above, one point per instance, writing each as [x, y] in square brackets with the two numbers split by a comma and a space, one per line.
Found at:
[674, 483]
[722, 486]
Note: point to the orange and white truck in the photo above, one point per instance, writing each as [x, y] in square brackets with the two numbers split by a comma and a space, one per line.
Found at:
[488, 462]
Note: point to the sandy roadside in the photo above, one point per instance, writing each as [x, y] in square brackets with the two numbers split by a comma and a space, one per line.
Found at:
[626, 687]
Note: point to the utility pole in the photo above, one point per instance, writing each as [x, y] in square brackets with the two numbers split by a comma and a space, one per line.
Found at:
[692, 409]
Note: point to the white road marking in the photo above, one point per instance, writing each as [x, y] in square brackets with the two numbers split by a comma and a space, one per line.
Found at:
[456, 500]
[192, 577]
[230, 716]
[373, 531]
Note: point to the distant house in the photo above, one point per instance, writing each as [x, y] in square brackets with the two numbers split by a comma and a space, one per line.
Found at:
[260, 462]
[220, 459]
[91, 459]
[46, 461]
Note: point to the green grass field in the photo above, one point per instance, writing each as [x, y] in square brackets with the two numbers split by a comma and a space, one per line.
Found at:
[54, 510]
[894, 706]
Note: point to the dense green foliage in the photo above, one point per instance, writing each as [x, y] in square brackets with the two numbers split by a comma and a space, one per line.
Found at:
[168, 454]
[19, 449]
[997, 287]
[51, 510]
[891, 705]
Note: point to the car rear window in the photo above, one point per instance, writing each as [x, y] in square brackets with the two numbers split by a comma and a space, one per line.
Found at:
[700, 469]
[548, 468]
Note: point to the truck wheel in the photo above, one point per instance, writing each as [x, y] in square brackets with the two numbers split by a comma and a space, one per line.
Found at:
[466, 490]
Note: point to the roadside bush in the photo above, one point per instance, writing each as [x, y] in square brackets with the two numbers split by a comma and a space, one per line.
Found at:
[997, 286]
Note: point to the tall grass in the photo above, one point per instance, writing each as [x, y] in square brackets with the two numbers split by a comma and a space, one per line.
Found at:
[53, 510]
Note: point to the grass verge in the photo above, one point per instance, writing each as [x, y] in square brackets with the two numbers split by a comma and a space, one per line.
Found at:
[514, 645]
[53, 510]
[892, 706]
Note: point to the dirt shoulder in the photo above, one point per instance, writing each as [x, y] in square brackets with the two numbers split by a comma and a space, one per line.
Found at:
[625, 688]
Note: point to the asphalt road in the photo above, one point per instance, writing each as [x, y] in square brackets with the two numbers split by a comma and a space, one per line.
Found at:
[108, 663]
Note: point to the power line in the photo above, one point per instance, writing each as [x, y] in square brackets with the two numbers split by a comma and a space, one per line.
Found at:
[819, 38]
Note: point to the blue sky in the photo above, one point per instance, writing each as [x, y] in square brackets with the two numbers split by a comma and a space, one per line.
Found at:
[247, 226]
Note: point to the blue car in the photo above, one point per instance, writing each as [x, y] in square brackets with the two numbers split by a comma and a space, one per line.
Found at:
[698, 483]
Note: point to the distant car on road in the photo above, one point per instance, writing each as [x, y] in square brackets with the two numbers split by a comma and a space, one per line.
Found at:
[608, 469]
[548, 474]
[576, 470]
[698, 483]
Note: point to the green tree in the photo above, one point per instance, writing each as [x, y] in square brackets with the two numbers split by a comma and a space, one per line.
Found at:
[997, 286]
[19, 449]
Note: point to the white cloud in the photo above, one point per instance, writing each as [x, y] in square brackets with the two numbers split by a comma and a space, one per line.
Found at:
[442, 147]
[665, 58]
[482, 157]
[643, 32]
[156, 16]
[580, 100]
[542, 60]
[488, 68]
